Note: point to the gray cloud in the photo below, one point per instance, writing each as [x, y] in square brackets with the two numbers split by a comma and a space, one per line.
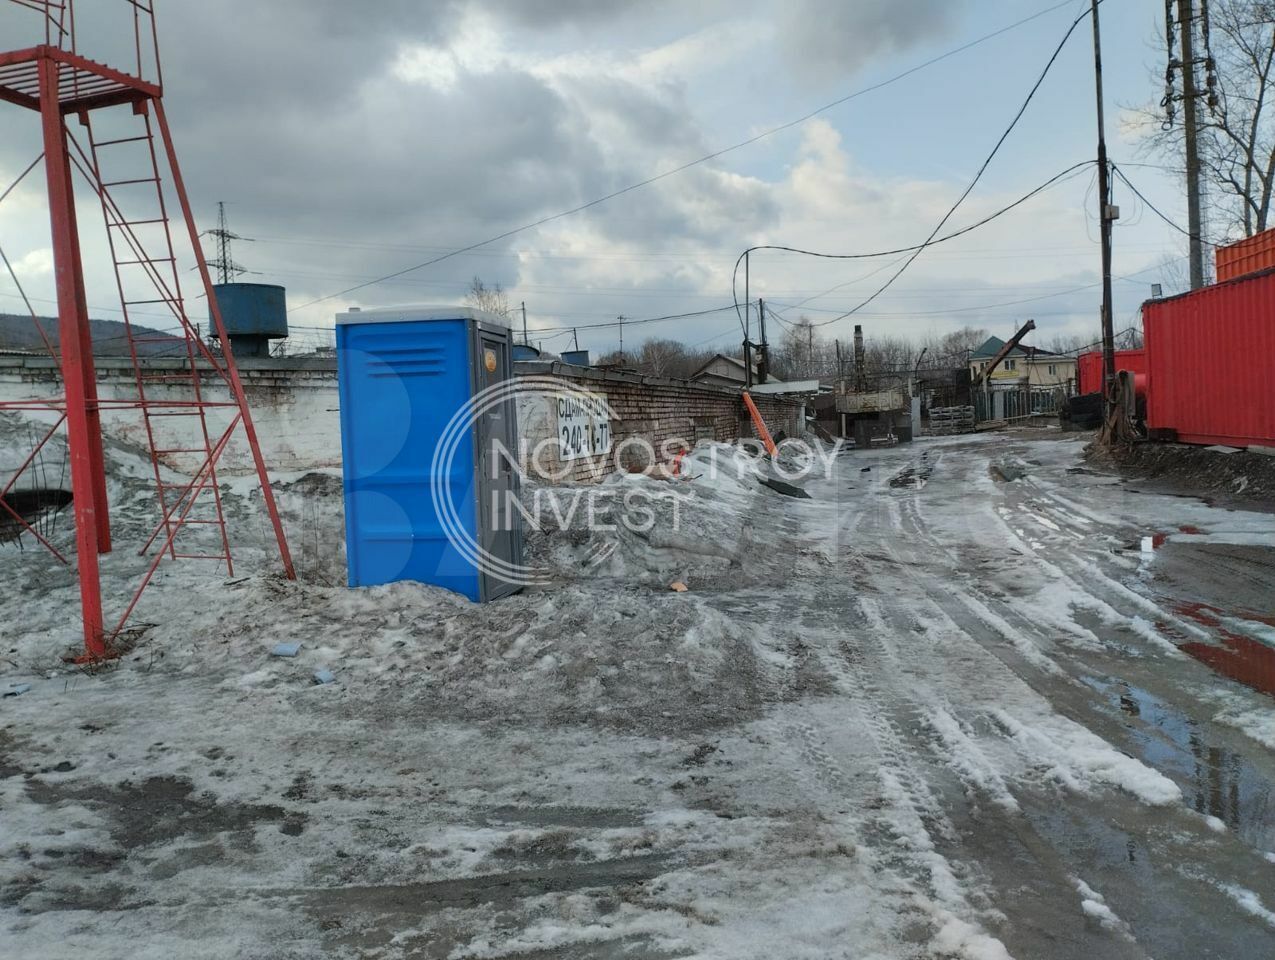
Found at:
[302, 125]
[833, 38]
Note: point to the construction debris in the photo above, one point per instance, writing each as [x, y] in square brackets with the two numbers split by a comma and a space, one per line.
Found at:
[787, 489]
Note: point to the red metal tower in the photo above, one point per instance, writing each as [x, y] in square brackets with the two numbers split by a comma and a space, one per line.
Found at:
[124, 171]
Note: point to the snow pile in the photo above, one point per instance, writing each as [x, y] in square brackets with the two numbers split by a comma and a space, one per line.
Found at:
[645, 528]
[1258, 724]
[964, 755]
[1249, 902]
[1095, 907]
[1078, 759]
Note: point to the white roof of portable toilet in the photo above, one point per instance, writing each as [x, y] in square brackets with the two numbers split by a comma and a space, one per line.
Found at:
[411, 314]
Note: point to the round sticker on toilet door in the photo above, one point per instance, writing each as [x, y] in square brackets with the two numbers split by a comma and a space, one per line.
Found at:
[489, 360]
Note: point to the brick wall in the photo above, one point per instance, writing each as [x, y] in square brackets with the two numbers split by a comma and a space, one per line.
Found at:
[651, 409]
[296, 408]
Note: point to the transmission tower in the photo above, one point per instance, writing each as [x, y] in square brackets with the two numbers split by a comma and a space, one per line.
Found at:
[225, 265]
[107, 124]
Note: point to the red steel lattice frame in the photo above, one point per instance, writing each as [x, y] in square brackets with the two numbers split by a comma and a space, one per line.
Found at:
[54, 80]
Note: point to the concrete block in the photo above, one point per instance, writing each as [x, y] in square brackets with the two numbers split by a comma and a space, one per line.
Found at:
[1263, 451]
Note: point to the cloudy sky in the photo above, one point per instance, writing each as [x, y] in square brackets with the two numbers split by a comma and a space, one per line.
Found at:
[356, 140]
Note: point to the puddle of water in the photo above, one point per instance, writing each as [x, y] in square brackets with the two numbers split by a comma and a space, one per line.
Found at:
[1239, 657]
[1215, 781]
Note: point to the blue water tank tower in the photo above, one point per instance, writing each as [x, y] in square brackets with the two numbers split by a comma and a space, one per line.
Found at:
[253, 314]
[428, 484]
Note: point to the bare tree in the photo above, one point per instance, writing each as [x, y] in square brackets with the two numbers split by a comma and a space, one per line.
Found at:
[803, 353]
[662, 358]
[492, 299]
[965, 340]
[1237, 137]
[1240, 148]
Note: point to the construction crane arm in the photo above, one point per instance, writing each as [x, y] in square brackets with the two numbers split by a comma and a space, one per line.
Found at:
[1004, 351]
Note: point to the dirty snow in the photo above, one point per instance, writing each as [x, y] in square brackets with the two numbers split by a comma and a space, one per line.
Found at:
[866, 723]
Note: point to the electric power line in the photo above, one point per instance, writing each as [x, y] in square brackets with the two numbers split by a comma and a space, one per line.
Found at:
[1156, 210]
[692, 163]
[915, 248]
[916, 251]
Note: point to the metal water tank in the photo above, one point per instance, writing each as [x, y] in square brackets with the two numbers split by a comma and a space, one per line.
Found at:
[253, 314]
[429, 491]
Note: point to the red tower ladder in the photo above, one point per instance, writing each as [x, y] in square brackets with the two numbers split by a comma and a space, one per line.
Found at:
[60, 85]
[147, 277]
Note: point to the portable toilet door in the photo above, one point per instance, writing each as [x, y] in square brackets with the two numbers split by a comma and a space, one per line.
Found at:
[404, 374]
[496, 442]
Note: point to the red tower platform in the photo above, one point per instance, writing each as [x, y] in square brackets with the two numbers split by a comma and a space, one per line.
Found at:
[125, 171]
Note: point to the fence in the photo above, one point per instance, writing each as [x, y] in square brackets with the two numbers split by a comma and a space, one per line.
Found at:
[1019, 402]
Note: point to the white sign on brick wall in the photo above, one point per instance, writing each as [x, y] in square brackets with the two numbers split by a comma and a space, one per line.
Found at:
[584, 426]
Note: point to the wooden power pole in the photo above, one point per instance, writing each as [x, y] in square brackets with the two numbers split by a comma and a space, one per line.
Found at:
[1107, 215]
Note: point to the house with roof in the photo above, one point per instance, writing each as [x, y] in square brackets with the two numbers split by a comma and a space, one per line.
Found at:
[1024, 365]
[723, 371]
[1036, 377]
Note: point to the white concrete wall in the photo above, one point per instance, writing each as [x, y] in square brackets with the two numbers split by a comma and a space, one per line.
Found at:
[294, 406]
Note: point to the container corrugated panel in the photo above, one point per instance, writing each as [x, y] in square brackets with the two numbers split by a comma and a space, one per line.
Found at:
[1089, 368]
[1211, 363]
[1251, 255]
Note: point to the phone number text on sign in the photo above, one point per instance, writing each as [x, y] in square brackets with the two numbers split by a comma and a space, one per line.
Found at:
[584, 427]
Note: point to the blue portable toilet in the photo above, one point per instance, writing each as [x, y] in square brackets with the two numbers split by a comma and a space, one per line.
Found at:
[404, 375]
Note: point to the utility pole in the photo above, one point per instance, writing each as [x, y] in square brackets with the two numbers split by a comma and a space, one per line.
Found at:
[860, 375]
[621, 319]
[525, 341]
[575, 337]
[1191, 132]
[763, 368]
[1106, 214]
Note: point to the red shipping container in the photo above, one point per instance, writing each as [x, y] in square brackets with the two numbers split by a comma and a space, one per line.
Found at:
[1089, 369]
[1211, 363]
[1251, 255]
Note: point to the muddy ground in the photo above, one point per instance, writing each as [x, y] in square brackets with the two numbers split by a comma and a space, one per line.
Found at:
[1231, 476]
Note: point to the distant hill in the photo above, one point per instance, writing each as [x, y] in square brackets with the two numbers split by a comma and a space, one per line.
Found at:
[18, 332]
